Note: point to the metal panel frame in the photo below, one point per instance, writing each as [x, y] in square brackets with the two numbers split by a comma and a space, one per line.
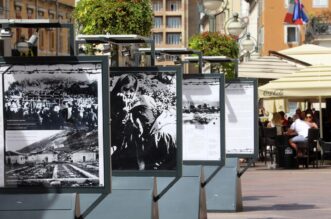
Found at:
[147, 70]
[255, 115]
[221, 78]
[103, 60]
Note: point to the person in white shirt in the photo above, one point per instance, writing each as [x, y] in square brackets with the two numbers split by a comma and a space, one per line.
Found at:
[300, 129]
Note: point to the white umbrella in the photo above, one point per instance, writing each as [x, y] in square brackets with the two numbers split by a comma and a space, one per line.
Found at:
[310, 82]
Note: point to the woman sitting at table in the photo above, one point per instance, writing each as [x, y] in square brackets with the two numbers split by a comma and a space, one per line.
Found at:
[300, 129]
[276, 121]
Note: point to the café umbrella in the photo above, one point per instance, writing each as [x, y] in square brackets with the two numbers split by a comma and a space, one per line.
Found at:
[308, 83]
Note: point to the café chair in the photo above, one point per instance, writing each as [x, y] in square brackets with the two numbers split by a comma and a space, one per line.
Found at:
[326, 150]
[269, 136]
[309, 148]
[262, 146]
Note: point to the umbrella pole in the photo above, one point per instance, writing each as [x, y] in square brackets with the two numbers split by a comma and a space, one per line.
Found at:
[321, 117]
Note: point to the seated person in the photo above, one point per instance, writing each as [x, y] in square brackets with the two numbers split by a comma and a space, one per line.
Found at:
[284, 120]
[300, 129]
[276, 121]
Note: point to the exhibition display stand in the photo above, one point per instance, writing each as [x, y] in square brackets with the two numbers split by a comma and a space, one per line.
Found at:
[131, 197]
[223, 192]
[37, 206]
[182, 199]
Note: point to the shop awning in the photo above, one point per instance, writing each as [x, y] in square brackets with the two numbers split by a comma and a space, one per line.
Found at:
[267, 67]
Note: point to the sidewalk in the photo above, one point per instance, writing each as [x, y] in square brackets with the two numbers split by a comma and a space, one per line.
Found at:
[298, 193]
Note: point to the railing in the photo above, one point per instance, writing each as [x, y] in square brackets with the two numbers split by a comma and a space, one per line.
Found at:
[318, 26]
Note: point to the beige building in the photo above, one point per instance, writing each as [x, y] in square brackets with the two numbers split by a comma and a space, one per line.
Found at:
[50, 41]
[275, 34]
[175, 21]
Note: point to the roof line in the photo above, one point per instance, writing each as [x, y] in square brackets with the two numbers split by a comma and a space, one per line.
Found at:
[280, 55]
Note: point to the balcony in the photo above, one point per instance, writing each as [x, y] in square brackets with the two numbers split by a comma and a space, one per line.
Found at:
[319, 31]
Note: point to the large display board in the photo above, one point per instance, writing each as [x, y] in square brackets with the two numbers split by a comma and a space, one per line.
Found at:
[241, 119]
[203, 119]
[146, 121]
[53, 124]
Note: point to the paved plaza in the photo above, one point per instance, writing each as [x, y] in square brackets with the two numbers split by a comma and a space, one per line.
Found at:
[278, 194]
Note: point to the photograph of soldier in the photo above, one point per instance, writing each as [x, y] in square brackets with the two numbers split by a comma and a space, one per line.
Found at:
[143, 121]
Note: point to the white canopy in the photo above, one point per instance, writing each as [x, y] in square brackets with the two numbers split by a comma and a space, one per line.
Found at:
[267, 67]
[313, 81]
[309, 53]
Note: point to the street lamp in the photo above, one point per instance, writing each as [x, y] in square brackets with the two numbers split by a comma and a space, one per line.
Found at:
[248, 45]
[236, 26]
[212, 8]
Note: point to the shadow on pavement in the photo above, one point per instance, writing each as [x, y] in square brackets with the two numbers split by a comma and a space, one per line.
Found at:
[282, 207]
[255, 198]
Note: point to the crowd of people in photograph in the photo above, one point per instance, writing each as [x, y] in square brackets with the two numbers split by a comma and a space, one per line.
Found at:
[30, 107]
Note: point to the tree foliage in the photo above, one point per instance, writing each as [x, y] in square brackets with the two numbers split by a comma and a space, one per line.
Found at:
[114, 16]
[217, 44]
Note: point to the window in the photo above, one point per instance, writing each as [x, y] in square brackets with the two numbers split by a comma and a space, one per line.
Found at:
[158, 38]
[320, 3]
[157, 22]
[173, 38]
[157, 5]
[52, 40]
[260, 38]
[30, 16]
[51, 15]
[173, 5]
[1, 6]
[41, 14]
[291, 34]
[18, 15]
[41, 39]
[174, 22]
[171, 57]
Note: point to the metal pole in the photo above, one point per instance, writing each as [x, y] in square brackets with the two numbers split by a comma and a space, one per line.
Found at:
[152, 52]
[57, 30]
[36, 9]
[72, 40]
[7, 9]
[321, 116]
[212, 23]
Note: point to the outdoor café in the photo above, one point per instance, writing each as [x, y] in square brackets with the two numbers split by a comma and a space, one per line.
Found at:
[311, 86]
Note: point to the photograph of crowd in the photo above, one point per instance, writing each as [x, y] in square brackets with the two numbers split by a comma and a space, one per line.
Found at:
[143, 121]
[201, 119]
[52, 125]
[40, 100]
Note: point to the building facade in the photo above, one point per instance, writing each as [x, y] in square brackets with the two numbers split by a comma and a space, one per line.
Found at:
[175, 21]
[274, 34]
[84, 156]
[50, 41]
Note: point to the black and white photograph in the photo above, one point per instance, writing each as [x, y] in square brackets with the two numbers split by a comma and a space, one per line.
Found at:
[143, 121]
[53, 125]
[201, 119]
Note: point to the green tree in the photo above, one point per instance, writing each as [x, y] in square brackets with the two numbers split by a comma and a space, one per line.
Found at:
[217, 44]
[114, 17]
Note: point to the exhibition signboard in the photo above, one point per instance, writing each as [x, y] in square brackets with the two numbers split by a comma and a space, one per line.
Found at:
[203, 119]
[54, 124]
[146, 121]
[241, 119]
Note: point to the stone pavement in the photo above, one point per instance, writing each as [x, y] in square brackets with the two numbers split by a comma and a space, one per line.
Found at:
[278, 194]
